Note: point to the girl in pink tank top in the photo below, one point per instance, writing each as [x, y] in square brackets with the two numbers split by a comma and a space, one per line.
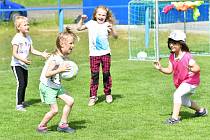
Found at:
[186, 76]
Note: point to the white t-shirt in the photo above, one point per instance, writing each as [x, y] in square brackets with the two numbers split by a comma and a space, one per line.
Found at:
[55, 80]
[98, 38]
[24, 46]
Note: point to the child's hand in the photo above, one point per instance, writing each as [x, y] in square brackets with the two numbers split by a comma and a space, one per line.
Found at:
[26, 61]
[45, 54]
[84, 17]
[64, 67]
[109, 27]
[157, 65]
[111, 30]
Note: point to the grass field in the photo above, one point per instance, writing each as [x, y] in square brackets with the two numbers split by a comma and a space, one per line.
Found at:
[142, 96]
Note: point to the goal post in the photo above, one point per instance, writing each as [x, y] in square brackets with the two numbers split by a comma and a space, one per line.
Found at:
[149, 27]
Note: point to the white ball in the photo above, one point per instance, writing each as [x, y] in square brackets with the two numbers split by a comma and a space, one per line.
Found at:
[141, 55]
[72, 73]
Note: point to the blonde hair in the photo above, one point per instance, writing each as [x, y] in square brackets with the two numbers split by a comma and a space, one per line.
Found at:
[109, 16]
[64, 35]
[19, 20]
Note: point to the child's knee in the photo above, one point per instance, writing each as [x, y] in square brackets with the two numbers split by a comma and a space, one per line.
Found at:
[177, 98]
[54, 111]
[70, 101]
[95, 77]
[186, 102]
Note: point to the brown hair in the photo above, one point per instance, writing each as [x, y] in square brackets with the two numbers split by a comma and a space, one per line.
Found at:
[183, 45]
[109, 16]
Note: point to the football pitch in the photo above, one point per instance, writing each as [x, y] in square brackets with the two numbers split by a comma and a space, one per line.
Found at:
[142, 96]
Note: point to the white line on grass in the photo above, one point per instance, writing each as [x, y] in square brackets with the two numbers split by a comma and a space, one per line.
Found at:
[39, 68]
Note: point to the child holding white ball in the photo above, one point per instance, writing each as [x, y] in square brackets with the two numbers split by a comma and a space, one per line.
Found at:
[50, 82]
[186, 75]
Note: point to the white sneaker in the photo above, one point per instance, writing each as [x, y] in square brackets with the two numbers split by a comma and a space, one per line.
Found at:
[109, 98]
[20, 108]
[92, 100]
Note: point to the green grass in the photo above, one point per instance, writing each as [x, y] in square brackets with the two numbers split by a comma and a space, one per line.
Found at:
[142, 96]
[37, 3]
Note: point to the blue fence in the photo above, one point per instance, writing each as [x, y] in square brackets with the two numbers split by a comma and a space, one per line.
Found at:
[59, 9]
[120, 10]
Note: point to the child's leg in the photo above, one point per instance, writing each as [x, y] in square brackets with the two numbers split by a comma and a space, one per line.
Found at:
[67, 108]
[195, 107]
[49, 115]
[182, 90]
[94, 82]
[199, 111]
[63, 125]
[107, 79]
[21, 76]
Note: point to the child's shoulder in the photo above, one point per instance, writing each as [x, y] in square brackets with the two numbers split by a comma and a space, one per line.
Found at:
[17, 35]
[188, 55]
[55, 57]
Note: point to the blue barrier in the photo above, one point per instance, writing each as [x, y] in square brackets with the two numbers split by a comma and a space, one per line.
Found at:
[120, 10]
[59, 9]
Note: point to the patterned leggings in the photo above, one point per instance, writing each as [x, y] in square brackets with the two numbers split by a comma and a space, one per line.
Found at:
[95, 62]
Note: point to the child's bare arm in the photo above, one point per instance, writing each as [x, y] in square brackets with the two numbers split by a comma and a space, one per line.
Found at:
[193, 66]
[112, 31]
[53, 69]
[80, 24]
[36, 52]
[167, 70]
[15, 54]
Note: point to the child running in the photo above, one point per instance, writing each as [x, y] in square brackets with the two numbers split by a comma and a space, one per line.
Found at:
[186, 75]
[50, 83]
[21, 47]
[99, 28]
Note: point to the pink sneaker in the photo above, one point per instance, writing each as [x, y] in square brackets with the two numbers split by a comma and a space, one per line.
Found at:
[41, 129]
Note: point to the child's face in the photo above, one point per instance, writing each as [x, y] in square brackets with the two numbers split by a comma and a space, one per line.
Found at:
[101, 15]
[175, 46]
[67, 45]
[24, 27]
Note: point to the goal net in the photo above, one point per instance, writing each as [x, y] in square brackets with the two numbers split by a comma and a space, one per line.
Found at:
[142, 22]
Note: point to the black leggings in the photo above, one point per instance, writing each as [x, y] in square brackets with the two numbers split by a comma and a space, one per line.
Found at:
[21, 76]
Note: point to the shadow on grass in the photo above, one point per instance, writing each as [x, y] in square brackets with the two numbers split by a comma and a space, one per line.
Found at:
[184, 115]
[33, 101]
[187, 115]
[74, 124]
[102, 98]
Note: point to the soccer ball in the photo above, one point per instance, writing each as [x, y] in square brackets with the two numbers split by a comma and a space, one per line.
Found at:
[141, 55]
[72, 73]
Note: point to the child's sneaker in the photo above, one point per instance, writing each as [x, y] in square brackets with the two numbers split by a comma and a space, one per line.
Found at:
[25, 104]
[41, 129]
[109, 98]
[65, 128]
[20, 108]
[203, 113]
[92, 100]
[172, 121]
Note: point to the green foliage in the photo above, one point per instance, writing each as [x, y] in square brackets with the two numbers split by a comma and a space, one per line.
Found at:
[38, 3]
[142, 96]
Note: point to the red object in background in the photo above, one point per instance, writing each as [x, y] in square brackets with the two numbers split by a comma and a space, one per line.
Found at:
[167, 8]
